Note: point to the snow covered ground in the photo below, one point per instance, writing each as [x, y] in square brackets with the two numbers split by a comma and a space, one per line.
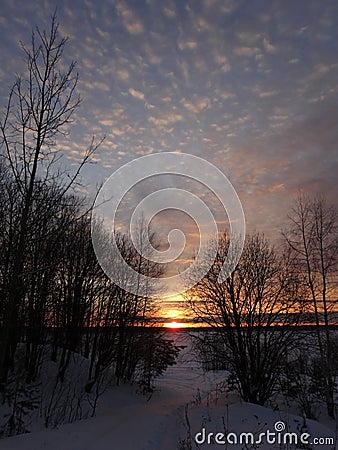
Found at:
[188, 408]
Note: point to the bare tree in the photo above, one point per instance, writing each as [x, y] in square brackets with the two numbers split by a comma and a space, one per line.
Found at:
[40, 106]
[132, 310]
[252, 313]
[48, 224]
[52, 288]
[312, 236]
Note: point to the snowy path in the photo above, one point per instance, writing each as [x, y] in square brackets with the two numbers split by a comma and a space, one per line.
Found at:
[129, 422]
[126, 421]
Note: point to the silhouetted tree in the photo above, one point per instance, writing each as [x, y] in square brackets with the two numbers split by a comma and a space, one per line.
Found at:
[251, 312]
[312, 237]
[40, 106]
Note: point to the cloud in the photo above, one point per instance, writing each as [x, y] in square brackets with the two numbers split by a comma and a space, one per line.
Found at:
[219, 7]
[166, 99]
[269, 48]
[203, 25]
[165, 120]
[245, 86]
[117, 131]
[248, 37]
[319, 71]
[222, 61]
[107, 122]
[187, 45]
[122, 75]
[152, 55]
[197, 104]
[136, 94]
[96, 86]
[225, 95]
[130, 21]
[169, 12]
[245, 51]
[276, 187]
[265, 94]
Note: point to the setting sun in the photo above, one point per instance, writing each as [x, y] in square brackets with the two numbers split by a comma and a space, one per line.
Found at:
[174, 325]
[174, 313]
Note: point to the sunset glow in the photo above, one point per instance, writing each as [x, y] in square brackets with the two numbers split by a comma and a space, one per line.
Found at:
[173, 311]
[174, 325]
[168, 224]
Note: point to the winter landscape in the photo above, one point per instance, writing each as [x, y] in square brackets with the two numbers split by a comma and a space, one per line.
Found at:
[186, 400]
[168, 225]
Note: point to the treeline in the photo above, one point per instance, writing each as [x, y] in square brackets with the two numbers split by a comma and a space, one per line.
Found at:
[258, 311]
[55, 300]
[65, 298]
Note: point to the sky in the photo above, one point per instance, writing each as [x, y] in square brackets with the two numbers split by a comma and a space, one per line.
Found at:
[251, 86]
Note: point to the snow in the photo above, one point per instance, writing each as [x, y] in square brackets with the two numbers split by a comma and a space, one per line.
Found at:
[186, 401]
